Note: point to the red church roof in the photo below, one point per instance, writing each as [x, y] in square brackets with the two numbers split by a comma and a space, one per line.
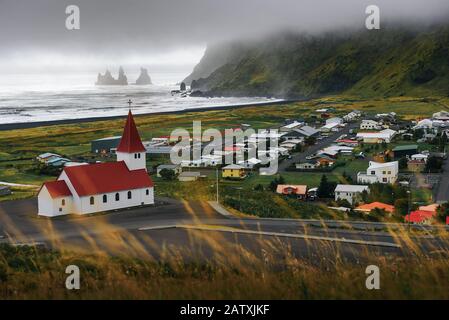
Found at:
[57, 189]
[130, 141]
[106, 177]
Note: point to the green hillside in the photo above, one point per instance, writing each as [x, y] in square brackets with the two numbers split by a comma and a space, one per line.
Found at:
[389, 62]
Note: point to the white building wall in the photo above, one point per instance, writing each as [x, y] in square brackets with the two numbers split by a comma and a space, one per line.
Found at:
[52, 207]
[139, 197]
[383, 174]
[132, 160]
[370, 125]
[347, 195]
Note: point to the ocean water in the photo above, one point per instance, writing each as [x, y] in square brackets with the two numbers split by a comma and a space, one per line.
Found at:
[44, 97]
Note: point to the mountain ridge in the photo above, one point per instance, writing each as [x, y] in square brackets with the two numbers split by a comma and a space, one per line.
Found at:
[392, 62]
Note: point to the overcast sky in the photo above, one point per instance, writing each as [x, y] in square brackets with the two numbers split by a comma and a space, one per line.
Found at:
[170, 32]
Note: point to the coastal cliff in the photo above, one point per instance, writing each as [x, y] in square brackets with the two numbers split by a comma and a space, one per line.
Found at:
[394, 61]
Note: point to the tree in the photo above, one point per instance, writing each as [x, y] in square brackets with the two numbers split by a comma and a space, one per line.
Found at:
[258, 187]
[326, 188]
[401, 207]
[167, 174]
[433, 164]
[310, 141]
[418, 134]
[443, 212]
[402, 163]
[274, 183]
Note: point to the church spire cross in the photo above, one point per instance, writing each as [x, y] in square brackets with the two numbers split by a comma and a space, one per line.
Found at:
[129, 103]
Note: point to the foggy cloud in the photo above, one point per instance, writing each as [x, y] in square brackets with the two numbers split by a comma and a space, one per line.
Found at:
[173, 31]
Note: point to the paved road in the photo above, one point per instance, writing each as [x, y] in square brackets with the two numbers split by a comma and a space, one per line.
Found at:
[118, 233]
[442, 194]
[301, 157]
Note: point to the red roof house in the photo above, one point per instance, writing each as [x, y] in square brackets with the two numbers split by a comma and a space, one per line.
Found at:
[291, 189]
[420, 217]
[376, 205]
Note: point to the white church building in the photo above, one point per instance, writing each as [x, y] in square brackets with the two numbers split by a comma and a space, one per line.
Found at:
[100, 187]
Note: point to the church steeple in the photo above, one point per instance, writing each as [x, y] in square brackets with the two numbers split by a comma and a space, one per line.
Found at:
[130, 148]
[130, 141]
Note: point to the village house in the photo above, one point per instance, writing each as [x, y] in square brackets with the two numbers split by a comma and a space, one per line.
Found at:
[405, 151]
[386, 136]
[233, 171]
[5, 190]
[301, 133]
[289, 127]
[370, 125]
[367, 207]
[349, 192]
[105, 145]
[416, 165]
[188, 176]
[100, 187]
[300, 191]
[46, 157]
[307, 165]
[379, 173]
[337, 120]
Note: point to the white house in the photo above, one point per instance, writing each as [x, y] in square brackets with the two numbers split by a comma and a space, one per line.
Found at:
[333, 126]
[351, 193]
[370, 125]
[386, 136]
[379, 172]
[100, 187]
[336, 120]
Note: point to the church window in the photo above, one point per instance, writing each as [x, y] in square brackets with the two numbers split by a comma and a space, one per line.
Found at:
[129, 195]
[105, 198]
[63, 202]
[92, 200]
[117, 196]
[147, 192]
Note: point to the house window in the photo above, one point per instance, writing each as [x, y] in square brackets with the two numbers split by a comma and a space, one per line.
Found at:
[117, 197]
[92, 201]
[384, 180]
[129, 195]
[147, 192]
[384, 172]
[105, 198]
[389, 172]
[63, 202]
[373, 172]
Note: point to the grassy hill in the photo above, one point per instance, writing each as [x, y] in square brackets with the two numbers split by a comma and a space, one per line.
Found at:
[395, 61]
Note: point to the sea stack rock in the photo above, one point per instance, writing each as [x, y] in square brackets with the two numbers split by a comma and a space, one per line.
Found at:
[144, 78]
[108, 80]
[122, 80]
[183, 86]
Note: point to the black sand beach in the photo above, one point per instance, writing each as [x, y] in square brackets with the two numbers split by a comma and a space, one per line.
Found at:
[26, 125]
